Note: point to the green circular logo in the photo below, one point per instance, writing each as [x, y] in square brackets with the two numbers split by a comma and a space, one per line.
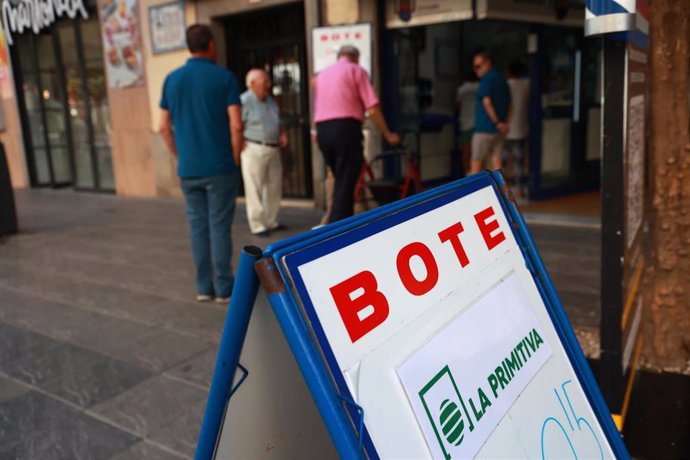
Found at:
[452, 424]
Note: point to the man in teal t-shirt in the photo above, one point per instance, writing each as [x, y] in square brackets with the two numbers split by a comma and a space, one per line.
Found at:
[201, 123]
[492, 115]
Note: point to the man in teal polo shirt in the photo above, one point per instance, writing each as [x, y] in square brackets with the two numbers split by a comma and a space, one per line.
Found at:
[201, 123]
[492, 115]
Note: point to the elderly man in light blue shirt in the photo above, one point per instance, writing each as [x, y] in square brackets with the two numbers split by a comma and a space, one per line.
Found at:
[262, 169]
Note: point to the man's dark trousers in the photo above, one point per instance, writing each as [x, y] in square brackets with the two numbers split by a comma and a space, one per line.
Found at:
[340, 142]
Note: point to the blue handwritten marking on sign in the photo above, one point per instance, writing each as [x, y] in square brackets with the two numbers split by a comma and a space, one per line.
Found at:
[579, 421]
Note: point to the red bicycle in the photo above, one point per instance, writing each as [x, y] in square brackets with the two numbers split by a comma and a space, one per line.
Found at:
[387, 188]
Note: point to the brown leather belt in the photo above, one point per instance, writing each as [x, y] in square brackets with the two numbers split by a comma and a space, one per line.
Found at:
[267, 144]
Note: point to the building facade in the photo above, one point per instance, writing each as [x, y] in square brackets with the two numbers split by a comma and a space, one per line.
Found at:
[80, 94]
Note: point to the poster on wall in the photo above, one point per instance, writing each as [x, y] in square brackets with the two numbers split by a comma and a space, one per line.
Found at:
[167, 24]
[635, 168]
[5, 70]
[124, 60]
[327, 40]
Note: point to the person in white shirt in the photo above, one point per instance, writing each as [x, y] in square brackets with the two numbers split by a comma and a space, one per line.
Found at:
[518, 127]
[466, 101]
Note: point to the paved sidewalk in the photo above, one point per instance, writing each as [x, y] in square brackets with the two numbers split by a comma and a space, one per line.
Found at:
[103, 352]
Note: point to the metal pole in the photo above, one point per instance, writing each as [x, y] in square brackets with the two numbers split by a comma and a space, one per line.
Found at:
[611, 372]
[310, 363]
[234, 332]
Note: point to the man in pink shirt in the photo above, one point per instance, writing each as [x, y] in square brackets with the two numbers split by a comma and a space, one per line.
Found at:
[343, 95]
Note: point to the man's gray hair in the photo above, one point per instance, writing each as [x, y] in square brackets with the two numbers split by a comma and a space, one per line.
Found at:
[254, 75]
[348, 50]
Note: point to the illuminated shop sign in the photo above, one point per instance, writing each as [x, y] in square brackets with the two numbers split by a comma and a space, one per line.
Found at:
[36, 15]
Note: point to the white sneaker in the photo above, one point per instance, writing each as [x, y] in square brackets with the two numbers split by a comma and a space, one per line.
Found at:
[204, 298]
[223, 300]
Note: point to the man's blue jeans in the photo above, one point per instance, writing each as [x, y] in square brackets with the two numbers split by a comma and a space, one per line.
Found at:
[210, 211]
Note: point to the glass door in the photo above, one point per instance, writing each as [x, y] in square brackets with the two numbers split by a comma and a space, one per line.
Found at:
[566, 112]
[560, 80]
[85, 176]
[54, 109]
[89, 113]
[44, 111]
[96, 102]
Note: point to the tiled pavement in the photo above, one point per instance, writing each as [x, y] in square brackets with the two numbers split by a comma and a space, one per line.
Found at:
[103, 354]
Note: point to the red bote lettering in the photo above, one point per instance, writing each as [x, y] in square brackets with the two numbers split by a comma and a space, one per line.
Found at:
[452, 234]
[351, 308]
[487, 227]
[412, 284]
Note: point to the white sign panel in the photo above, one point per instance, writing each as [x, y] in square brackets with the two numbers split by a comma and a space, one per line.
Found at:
[435, 326]
[326, 42]
[365, 293]
[501, 341]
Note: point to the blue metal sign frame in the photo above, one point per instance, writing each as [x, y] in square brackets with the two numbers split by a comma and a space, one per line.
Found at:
[293, 252]
[343, 418]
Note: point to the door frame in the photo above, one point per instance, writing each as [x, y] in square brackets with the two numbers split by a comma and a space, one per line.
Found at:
[235, 46]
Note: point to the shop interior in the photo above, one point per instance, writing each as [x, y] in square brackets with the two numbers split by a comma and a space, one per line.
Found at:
[430, 62]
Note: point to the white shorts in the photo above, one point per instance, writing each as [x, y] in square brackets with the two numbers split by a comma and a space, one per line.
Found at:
[485, 145]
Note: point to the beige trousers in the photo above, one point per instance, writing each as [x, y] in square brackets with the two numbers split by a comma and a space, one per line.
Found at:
[262, 173]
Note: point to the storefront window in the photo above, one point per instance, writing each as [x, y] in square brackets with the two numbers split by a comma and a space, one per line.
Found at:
[84, 174]
[569, 132]
[53, 109]
[36, 128]
[65, 107]
[98, 102]
[560, 66]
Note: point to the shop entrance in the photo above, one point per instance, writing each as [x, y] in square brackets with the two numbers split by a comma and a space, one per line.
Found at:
[274, 40]
[64, 106]
[429, 63]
